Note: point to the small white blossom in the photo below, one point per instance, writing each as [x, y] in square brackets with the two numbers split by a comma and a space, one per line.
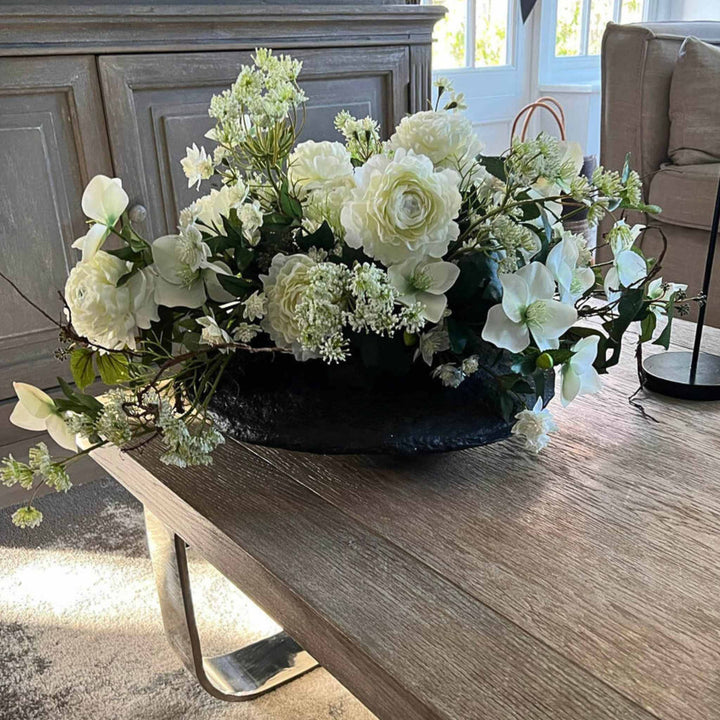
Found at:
[432, 342]
[212, 334]
[449, 375]
[470, 365]
[251, 218]
[27, 517]
[534, 426]
[197, 165]
[578, 375]
[245, 332]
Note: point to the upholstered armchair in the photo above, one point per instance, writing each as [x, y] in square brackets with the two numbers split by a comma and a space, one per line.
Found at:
[638, 62]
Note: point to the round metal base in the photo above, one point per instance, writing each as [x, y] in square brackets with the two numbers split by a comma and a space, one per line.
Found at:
[669, 374]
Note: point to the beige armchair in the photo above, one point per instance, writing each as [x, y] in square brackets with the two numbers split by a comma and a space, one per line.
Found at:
[637, 68]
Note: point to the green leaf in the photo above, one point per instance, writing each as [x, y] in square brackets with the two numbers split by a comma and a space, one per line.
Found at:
[126, 253]
[664, 338]
[647, 327]
[459, 334]
[123, 279]
[495, 165]
[81, 366]
[234, 285]
[322, 238]
[288, 204]
[113, 368]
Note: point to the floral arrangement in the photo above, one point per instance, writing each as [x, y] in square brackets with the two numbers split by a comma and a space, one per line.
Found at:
[326, 250]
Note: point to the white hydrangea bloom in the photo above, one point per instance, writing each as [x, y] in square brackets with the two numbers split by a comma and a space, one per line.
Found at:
[107, 315]
[402, 207]
[534, 426]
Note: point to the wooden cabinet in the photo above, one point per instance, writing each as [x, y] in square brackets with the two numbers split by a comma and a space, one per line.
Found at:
[157, 105]
[151, 71]
[52, 141]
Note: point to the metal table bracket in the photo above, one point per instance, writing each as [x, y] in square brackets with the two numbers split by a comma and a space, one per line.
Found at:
[240, 675]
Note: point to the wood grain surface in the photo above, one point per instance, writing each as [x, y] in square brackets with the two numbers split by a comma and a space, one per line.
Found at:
[486, 584]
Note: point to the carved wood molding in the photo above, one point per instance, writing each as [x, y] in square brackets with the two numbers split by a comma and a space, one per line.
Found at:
[48, 29]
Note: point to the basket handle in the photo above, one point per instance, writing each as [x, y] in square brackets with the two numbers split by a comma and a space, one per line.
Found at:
[546, 103]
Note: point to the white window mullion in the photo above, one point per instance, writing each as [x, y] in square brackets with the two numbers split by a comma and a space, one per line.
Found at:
[585, 27]
[470, 14]
[617, 11]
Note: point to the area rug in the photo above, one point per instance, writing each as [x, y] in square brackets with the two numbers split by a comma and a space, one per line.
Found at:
[80, 630]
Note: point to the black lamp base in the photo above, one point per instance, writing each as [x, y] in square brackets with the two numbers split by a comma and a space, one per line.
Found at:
[669, 374]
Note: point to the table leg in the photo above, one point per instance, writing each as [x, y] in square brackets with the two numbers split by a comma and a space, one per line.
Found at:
[241, 675]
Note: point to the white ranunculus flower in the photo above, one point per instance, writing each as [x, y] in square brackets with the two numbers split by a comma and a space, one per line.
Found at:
[661, 292]
[319, 165]
[36, 411]
[628, 266]
[402, 207]
[251, 218]
[212, 334]
[283, 287]
[197, 165]
[104, 200]
[579, 377]
[573, 281]
[447, 138]
[426, 282]
[185, 275]
[534, 426]
[107, 315]
[528, 308]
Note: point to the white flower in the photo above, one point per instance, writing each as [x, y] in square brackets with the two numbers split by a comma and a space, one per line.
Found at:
[470, 365]
[211, 208]
[92, 241]
[254, 306]
[449, 375]
[319, 165]
[534, 425]
[628, 266]
[573, 281]
[251, 218]
[36, 411]
[212, 333]
[447, 138]
[402, 207]
[528, 308]
[245, 332]
[432, 342]
[325, 205]
[578, 374]
[104, 200]
[284, 287]
[660, 293]
[107, 315]
[186, 276]
[197, 165]
[426, 282]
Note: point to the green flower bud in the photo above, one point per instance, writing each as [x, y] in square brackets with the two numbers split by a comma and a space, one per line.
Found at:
[545, 361]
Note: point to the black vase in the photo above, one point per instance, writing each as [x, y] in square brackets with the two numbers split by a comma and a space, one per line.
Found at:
[348, 408]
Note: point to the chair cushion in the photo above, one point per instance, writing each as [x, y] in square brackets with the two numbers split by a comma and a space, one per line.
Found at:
[695, 105]
[686, 194]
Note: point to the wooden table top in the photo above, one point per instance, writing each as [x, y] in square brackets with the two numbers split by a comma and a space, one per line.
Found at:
[486, 584]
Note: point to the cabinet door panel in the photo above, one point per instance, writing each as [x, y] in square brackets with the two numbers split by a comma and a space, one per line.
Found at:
[52, 140]
[157, 106]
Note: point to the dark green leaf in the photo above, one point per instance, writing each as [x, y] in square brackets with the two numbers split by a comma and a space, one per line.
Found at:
[322, 238]
[495, 165]
[234, 285]
[289, 205]
[647, 327]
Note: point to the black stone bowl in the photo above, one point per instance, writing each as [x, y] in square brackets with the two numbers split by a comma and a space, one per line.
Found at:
[346, 409]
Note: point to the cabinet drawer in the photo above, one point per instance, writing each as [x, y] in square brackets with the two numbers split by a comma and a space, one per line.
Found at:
[52, 141]
[156, 105]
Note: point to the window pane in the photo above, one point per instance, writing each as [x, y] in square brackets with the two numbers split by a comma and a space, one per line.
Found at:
[491, 17]
[601, 13]
[449, 35]
[632, 11]
[568, 28]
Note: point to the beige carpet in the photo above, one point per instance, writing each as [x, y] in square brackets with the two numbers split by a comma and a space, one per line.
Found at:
[80, 630]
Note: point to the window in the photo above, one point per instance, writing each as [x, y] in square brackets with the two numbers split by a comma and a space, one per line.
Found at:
[571, 36]
[473, 34]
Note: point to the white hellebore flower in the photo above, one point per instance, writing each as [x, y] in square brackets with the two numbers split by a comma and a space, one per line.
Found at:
[36, 411]
[433, 341]
[107, 315]
[447, 138]
[319, 166]
[628, 267]
[579, 377]
[573, 281]
[212, 333]
[186, 276]
[426, 282]
[661, 293]
[528, 308]
[251, 218]
[534, 425]
[103, 201]
[402, 207]
[197, 165]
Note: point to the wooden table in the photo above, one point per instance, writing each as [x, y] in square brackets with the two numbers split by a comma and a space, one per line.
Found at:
[486, 584]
